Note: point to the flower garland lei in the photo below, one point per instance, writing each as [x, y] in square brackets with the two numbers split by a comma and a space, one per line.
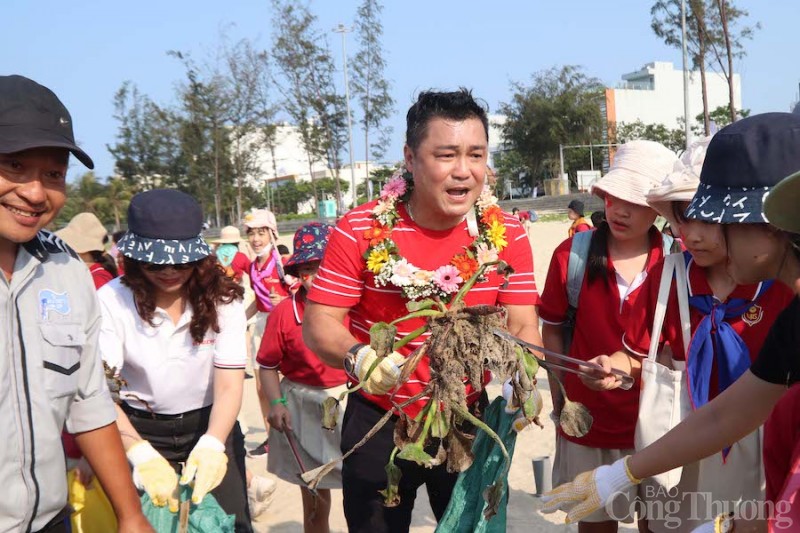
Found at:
[390, 268]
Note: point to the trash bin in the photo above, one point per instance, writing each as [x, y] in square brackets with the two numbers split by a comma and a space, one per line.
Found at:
[327, 208]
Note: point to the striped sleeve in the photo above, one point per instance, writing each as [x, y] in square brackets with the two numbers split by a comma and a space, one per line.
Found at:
[339, 281]
[521, 288]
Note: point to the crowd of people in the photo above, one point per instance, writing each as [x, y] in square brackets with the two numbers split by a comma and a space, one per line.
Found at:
[126, 355]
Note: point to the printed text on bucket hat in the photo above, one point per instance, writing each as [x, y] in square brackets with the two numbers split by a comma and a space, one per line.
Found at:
[164, 228]
[743, 162]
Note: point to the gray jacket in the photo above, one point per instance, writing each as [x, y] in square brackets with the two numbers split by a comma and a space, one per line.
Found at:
[51, 377]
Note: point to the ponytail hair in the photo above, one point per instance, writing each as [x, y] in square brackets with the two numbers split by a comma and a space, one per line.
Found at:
[597, 262]
[105, 261]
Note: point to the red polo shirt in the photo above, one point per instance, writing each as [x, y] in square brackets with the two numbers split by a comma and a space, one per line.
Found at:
[344, 281]
[282, 348]
[752, 326]
[599, 325]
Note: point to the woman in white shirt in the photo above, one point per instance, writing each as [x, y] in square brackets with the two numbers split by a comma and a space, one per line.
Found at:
[174, 330]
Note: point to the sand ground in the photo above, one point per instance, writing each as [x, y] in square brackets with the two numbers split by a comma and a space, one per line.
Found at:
[285, 514]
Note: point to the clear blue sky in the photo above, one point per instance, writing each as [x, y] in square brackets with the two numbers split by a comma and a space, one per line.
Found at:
[84, 50]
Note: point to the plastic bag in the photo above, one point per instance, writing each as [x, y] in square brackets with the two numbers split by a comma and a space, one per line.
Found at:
[465, 511]
[208, 517]
[92, 512]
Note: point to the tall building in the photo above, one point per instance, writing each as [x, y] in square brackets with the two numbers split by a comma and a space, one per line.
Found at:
[654, 95]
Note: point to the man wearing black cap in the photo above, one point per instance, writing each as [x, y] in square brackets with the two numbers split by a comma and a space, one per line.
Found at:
[50, 375]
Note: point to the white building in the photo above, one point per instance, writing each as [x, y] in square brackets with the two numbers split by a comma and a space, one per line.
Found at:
[654, 95]
[288, 162]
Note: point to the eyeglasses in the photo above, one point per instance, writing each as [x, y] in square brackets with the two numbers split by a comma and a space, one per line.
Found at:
[150, 267]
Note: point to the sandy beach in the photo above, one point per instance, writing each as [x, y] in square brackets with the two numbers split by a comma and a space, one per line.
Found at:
[285, 515]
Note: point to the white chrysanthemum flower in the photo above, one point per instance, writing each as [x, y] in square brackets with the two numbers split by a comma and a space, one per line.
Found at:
[485, 253]
[402, 273]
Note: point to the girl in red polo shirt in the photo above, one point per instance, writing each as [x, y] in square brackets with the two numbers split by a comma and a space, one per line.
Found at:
[745, 161]
[718, 353]
[295, 401]
[621, 253]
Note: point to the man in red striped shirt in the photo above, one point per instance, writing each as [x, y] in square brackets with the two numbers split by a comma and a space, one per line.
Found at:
[446, 152]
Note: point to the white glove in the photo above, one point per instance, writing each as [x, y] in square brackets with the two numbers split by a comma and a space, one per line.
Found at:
[589, 491]
[153, 474]
[385, 375]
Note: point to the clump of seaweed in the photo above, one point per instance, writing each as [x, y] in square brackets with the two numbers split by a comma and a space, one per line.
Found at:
[461, 347]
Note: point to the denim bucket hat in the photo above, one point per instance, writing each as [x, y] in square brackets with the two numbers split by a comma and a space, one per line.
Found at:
[164, 228]
[309, 245]
[744, 161]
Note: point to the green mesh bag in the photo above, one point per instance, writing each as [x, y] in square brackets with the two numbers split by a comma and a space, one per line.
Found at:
[208, 517]
[465, 511]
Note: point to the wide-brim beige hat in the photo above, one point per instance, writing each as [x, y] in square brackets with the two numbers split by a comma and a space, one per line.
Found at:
[228, 235]
[84, 233]
[781, 204]
[681, 184]
[638, 167]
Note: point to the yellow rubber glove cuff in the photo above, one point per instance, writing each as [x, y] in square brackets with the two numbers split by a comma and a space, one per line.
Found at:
[384, 377]
[154, 475]
[206, 466]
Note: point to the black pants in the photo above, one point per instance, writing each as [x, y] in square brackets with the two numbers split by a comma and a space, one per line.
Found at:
[59, 524]
[363, 473]
[174, 438]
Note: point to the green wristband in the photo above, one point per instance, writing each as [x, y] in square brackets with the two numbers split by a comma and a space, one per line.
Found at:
[276, 401]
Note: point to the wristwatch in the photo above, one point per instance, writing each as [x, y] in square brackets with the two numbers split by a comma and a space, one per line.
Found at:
[350, 360]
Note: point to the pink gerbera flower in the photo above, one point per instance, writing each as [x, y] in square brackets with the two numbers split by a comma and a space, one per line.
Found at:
[395, 187]
[446, 278]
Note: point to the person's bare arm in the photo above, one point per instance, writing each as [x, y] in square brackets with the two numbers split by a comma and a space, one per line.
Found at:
[228, 385]
[279, 416]
[126, 430]
[523, 322]
[732, 415]
[325, 334]
[103, 450]
[621, 360]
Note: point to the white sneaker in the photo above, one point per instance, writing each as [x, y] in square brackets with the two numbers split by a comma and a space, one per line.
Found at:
[259, 495]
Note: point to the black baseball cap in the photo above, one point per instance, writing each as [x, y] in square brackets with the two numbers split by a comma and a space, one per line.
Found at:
[32, 116]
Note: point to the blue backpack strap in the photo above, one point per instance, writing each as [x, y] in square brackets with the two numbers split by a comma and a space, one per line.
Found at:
[576, 266]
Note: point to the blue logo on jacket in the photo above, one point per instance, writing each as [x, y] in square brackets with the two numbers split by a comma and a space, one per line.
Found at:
[53, 301]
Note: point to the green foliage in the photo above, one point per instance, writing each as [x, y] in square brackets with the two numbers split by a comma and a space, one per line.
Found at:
[369, 84]
[720, 116]
[559, 106]
[674, 139]
[378, 176]
[288, 196]
[108, 201]
[306, 69]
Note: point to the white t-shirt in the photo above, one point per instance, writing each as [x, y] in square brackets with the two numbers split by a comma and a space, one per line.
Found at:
[163, 365]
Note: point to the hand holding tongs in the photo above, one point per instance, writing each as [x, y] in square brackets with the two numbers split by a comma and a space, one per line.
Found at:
[626, 379]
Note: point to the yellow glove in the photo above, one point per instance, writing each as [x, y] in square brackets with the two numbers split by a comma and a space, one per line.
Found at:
[206, 465]
[154, 475]
[384, 377]
[590, 491]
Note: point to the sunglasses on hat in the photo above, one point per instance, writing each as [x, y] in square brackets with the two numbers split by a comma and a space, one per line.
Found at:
[150, 267]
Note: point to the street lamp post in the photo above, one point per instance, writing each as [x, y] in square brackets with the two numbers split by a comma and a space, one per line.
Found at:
[344, 31]
[685, 74]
